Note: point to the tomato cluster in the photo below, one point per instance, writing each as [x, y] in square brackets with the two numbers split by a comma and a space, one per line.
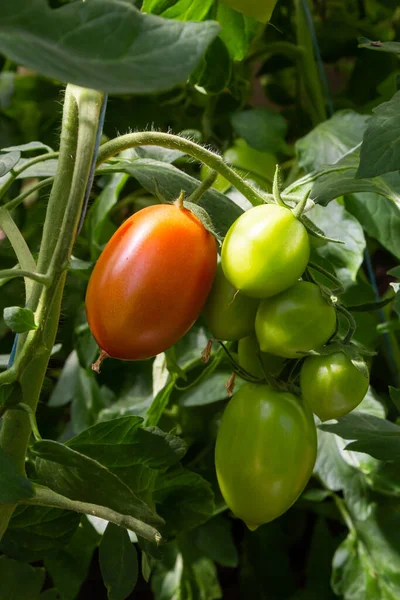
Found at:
[266, 445]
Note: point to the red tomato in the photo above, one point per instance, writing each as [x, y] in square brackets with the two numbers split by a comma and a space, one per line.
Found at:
[151, 282]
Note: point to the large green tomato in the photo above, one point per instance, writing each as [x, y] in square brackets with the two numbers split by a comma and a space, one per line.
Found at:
[265, 453]
[229, 315]
[331, 385]
[255, 362]
[297, 320]
[265, 251]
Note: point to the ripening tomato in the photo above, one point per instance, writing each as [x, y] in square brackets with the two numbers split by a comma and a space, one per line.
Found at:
[229, 315]
[331, 385]
[265, 452]
[151, 281]
[254, 361]
[296, 320]
[265, 251]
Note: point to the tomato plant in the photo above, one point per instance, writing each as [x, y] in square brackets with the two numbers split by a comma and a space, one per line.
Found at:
[265, 251]
[296, 320]
[146, 289]
[229, 315]
[331, 385]
[265, 453]
[276, 125]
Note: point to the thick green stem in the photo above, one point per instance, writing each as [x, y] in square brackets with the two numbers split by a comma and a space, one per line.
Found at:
[214, 161]
[81, 113]
[46, 497]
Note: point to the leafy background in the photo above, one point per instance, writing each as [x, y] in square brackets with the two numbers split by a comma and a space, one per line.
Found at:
[243, 89]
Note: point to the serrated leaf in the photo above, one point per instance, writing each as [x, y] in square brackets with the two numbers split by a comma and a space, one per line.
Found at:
[378, 437]
[118, 562]
[380, 150]
[103, 44]
[19, 319]
[13, 486]
[82, 478]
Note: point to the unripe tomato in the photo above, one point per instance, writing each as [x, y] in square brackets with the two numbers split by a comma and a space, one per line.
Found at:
[150, 282]
[250, 355]
[229, 315]
[331, 385]
[265, 251]
[265, 452]
[296, 320]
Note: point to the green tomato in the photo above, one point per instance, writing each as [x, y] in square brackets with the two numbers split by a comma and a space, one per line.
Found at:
[258, 9]
[265, 452]
[265, 251]
[331, 385]
[297, 320]
[250, 355]
[229, 315]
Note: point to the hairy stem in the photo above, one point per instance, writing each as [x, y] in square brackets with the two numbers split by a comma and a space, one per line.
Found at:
[174, 142]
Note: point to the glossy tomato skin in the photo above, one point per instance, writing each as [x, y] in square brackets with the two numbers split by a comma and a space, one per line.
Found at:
[255, 362]
[265, 251]
[331, 385]
[151, 282]
[229, 315]
[265, 452]
[297, 320]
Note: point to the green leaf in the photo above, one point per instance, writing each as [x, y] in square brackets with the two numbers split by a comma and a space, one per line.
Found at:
[19, 580]
[215, 69]
[82, 478]
[262, 128]
[182, 10]
[64, 390]
[237, 30]
[214, 539]
[392, 47]
[395, 396]
[158, 177]
[337, 223]
[339, 179]
[330, 140]
[374, 436]
[29, 147]
[212, 389]
[19, 319]
[184, 499]
[35, 532]
[160, 402]
[118, 562]
[103, 44]
[379, 217]
[8, 162]
[69, 567]
[183, 573]
[380, 150]
[262, 11]
[13, 486]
